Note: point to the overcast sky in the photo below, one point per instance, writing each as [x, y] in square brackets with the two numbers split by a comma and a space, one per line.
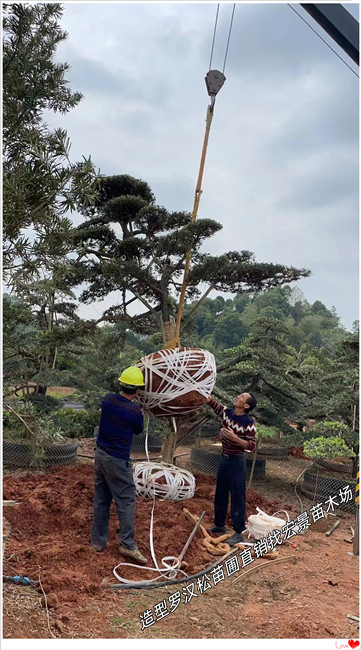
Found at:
[282, 166]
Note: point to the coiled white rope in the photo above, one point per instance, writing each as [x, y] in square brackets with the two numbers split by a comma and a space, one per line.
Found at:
[180, 371]
[180, 484]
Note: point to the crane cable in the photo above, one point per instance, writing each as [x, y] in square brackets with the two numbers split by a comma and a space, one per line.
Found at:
[214, 37]
[214, 82]
[229, 37]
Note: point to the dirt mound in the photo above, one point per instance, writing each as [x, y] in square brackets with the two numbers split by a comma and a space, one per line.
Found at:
[297, 452]
[51, 529]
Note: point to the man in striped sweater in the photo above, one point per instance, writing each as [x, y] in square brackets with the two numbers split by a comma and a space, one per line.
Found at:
[237, 434]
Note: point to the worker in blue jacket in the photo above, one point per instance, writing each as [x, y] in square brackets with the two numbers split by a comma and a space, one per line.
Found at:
[120, 419]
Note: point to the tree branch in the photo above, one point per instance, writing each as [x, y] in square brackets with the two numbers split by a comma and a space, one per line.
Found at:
[8, 408]
[91, 251]
[199, 304]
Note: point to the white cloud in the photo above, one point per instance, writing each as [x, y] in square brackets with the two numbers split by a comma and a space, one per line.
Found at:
[282, 166]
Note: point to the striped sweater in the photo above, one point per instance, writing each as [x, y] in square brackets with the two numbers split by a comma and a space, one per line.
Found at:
[242, 425]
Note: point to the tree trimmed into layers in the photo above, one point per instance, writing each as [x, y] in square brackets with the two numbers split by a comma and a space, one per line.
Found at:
[131, 245]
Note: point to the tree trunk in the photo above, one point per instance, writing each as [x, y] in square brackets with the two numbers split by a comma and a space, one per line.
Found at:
[170, 440]
[169, 447]
[355, 464]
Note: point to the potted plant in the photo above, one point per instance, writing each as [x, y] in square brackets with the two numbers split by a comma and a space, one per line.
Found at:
[270, 444]
[322, 434]
[32, 440]
[330, 452]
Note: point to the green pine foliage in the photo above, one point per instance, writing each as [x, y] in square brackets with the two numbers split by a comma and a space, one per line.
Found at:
[327, 448]
[40, 182]
[130, 244]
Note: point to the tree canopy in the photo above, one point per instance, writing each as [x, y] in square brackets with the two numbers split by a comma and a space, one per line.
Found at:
[40, 182]
[132, 245]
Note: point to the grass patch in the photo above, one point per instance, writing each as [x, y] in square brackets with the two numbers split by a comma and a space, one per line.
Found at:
[60, 391]
[120, 622]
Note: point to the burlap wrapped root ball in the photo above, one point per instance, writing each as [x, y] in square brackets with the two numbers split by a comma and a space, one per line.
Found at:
[177, 381]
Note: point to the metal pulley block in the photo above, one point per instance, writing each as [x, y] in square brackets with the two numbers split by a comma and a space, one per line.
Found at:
[214, 82]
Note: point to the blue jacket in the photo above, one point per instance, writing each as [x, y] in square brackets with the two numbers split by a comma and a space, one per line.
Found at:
[120, 418]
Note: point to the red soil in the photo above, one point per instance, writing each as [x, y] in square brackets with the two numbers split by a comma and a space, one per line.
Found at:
[51, 529]
[297, 452]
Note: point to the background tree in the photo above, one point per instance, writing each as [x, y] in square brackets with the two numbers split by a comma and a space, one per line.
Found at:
[19, 333]
[265, 365]
[40, 328]
[40, 183]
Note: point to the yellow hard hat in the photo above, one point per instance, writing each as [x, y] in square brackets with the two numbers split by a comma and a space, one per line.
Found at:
[132, 376]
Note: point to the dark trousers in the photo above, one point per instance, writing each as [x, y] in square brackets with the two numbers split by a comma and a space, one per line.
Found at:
[113, 480]
[231, 478]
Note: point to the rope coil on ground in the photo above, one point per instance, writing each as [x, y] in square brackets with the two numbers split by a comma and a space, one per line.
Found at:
[179, 484]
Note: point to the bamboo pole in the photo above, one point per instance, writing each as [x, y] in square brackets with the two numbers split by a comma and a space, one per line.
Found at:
[197, 196]
[261, 566]
[355, 548]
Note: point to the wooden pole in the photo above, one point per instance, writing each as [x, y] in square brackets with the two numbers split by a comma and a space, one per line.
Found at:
[176, 341]
[335, 525]
[187, 544]
[355, 549]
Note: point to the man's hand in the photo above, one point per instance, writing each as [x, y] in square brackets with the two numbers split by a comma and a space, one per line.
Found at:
[227, 434]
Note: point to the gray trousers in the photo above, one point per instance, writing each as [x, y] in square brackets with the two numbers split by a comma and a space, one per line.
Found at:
[113, 480]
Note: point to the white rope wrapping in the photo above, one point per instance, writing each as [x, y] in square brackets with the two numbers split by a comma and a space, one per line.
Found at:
[181, 371]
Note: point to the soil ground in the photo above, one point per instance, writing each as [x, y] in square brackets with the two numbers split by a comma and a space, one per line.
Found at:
[308, 595]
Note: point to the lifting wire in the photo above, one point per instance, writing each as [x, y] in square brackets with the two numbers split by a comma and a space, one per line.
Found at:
[214, 81]
[171, 564]
[214, 37]
[229, 37]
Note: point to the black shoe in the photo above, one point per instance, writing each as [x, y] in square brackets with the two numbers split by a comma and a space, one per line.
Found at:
[235, 539]
[218, 529]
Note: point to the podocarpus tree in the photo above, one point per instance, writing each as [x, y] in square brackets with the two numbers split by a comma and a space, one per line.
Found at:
[333, 378]
[132, 246]
[41, 328]
[138, 249]
[40, 182]
[344, 378]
